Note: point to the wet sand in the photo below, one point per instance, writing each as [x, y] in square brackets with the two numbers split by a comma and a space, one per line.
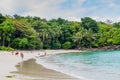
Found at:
[31, 69]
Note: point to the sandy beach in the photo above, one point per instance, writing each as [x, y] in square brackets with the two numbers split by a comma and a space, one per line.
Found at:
[13, 68]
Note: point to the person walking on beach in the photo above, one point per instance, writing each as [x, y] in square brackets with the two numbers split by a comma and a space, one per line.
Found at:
[16, 53]
[12, 52]
[21, 55]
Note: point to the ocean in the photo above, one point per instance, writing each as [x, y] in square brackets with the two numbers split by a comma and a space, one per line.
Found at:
[94, 65]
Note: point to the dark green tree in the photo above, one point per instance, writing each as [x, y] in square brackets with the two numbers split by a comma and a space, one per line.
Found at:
[6, 31]
[89, 24]
[2, 18]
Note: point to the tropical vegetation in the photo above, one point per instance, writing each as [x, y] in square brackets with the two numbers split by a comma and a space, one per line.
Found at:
[35, 33]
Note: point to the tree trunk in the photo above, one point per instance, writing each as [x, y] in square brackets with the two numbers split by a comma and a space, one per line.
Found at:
[90, 38]
[3, 42]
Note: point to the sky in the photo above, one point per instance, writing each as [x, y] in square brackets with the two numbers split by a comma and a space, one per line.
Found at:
[73, 10]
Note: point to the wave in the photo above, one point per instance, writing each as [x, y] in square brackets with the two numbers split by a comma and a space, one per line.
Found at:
[85, 66]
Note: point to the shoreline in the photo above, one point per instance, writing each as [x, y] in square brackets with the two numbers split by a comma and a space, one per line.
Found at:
[38, 72]
[10, 61]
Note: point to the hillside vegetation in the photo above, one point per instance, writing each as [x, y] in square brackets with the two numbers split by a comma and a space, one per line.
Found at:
[36, 33]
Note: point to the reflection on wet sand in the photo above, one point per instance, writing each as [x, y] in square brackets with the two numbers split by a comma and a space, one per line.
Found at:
[31, 69]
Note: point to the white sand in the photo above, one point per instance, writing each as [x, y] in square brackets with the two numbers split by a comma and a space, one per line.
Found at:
[8, 61]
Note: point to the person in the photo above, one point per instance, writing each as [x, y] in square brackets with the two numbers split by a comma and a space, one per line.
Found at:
[44, 54]
[21, 55]
[16, 53]
[41, 55]
[13, 52]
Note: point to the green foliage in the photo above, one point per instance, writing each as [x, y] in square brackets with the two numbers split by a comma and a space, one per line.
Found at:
[67, 45]
[78, 37]
[116, 25]
[11, 76]
[2, 18]
[39, 45]
[21, 42]
[56, 45]
[36, 33]
[6, 48]
[6, 31]
[89, 24]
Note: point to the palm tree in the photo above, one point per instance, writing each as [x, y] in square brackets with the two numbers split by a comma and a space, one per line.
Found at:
[78, 37]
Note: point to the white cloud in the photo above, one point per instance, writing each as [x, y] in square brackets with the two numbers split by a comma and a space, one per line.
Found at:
[53, 9]
[35, 7]
[104, 19]
[45, 9]
[42, 8]
[73, 19]
[98, 18]
[6, 6]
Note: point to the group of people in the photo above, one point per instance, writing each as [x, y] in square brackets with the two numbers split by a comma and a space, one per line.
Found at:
[19, 53]
[41, 53]
[16, 52]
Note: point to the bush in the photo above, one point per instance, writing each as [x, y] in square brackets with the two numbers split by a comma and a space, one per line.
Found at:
[67, 45]
[39, 45]
[46, 46]
[56, 45]
[6, 48]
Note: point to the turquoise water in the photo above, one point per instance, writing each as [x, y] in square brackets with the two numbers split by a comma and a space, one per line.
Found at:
[98, 65]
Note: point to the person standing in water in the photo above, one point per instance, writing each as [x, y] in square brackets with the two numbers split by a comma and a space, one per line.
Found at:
[44, 54]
